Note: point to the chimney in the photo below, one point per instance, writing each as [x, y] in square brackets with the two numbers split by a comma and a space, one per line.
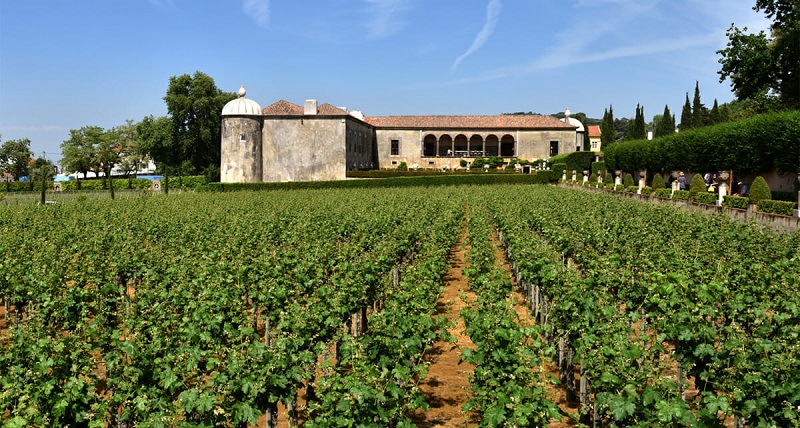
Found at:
[310, 107]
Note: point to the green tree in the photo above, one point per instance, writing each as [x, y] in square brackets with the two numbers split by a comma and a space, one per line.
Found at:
[79, 152]
[607, 132]
[637, 129]
[108, 148]
[658, 182]
[154, 139]
[758, 64]
[686, 115]
[194, 104]
[15, 156]
[666, 124]
[699, 111]
[130, 158]
[714, 116]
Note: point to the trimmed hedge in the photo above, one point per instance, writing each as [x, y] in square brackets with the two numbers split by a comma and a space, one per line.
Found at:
[759, 190]
[662, 193]
[540, 177]
[100, 184]
[761, 143]
[682, 195]
[697, 185]
[598, 166]
[735, 201]
[776, 207]
[658, 182]
[705, 198]
[578, 161]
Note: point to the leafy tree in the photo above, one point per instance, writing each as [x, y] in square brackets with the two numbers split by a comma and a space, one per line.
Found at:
[686, 115]
[15, 157]
[79, 152]
[154, 139]
[194, 104]
[666, 125]
[131, 159]
[607, 132]
[758, 65]
[759, 190]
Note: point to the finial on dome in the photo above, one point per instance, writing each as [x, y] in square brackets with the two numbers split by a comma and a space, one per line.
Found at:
[566, 112]
[242, 92]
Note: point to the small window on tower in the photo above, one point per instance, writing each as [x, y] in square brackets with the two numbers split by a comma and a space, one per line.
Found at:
[242, 138]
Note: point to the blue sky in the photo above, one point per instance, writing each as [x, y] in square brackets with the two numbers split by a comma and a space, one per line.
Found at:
[64, 65]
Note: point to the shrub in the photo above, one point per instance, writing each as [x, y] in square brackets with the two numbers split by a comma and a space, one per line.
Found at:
[681, 195]
[705, 198]
[663, 193]
[403, 166]
[463, 163]
[608, 178]
[632, 189]
[759, 190]
[646, 190]
[735, 201]
[776, 207]
[658, 182]
[628, 180]
[559, 168]
[698, 185]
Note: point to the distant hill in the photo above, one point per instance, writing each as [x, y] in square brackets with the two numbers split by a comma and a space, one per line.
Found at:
[560, 115]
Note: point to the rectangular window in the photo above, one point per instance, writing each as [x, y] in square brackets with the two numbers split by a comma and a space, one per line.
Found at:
[553, 148]
[394, 162]
[242, 138]
[395, 148]
[594, 145]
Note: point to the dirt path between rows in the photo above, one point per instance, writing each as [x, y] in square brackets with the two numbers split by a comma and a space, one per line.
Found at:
[446, 387]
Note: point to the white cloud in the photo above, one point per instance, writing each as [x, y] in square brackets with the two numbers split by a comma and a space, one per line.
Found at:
[258, 10]
[383, 16]
[492, 14]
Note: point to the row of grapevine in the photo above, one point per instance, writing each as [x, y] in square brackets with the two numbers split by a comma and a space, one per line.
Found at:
[649, 298]
[199, 309]
[509, 386]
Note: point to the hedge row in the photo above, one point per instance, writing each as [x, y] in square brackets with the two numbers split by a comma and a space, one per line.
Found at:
[575, 161]
[761, 143]
[540, 177]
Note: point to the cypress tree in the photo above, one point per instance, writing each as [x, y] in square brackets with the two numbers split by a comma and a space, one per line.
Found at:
[608, 133]
[714, 115]
[698, 109]
[666, 125]
[686, 115]
[637, 130]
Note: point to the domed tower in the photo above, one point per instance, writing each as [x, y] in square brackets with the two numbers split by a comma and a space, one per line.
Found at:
[241, 141]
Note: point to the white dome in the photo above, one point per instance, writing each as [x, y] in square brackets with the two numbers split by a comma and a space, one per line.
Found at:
[574, 122]
[241, 106]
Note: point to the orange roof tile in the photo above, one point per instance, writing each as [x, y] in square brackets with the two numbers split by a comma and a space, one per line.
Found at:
[594, 131]
[501, 121]
[282, 107]
[328, 109]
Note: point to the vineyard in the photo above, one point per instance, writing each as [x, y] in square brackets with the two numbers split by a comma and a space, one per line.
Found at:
[318, 307]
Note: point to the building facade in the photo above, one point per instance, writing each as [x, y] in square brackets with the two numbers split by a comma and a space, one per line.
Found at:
[287, 142]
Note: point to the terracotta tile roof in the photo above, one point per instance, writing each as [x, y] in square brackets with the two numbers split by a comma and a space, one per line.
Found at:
[282, 107]
[493, 122]
[330, 110]
[594, 131]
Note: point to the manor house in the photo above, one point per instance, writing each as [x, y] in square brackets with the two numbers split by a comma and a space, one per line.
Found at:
[287, 142]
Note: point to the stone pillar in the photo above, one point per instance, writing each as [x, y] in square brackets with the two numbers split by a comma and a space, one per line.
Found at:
[57, 186]
[600, 176]
[155, 186]
[564, 176]
[617, 177]
[723, 191]
[585, 175]
[574, 175]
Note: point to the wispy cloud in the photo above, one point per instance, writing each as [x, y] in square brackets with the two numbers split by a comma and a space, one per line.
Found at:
[258, 10]
[383, 19]
[492, 15]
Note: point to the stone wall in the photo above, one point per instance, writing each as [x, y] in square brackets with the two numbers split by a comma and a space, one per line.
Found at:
[304, 148]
